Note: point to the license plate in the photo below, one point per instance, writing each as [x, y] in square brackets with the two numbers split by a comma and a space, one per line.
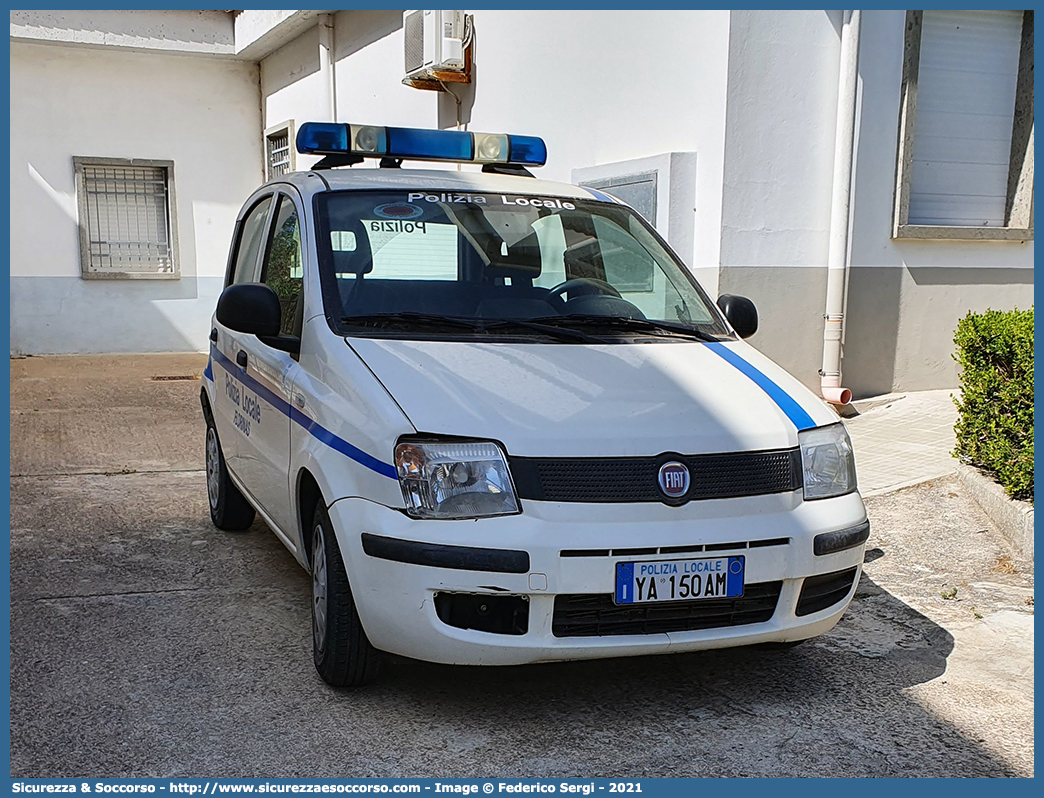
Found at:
[678, 580]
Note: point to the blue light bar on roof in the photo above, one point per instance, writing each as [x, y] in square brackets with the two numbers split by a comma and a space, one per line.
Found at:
[415, 144]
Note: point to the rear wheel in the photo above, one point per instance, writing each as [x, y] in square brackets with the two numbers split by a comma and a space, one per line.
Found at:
[342, 653]
[228, 509]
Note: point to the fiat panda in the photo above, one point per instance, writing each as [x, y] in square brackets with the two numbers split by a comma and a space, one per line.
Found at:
[499, 422]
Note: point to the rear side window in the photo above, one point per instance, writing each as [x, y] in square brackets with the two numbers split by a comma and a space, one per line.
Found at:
[250, 233]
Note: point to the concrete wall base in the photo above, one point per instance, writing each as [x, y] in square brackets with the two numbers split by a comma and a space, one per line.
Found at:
[1013, 518]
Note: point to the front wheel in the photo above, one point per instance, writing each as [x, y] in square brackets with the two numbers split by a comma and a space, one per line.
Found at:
[342, 653]
[228, 509]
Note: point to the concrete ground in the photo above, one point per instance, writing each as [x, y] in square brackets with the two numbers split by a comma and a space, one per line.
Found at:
[145, 642]
[903, 439]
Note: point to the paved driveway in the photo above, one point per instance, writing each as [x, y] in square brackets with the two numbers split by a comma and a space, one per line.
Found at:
[146, 642]
[903, 439]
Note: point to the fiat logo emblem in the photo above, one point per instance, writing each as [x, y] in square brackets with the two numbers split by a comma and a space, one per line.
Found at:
[674, 480]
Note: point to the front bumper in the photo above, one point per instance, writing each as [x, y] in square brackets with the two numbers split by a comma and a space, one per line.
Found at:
[395, 598]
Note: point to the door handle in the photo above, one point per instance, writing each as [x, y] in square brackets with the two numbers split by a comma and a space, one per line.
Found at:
[299, 400]
[241, 358]
[213, 335]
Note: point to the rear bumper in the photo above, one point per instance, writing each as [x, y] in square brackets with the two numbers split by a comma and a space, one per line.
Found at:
[404, 563]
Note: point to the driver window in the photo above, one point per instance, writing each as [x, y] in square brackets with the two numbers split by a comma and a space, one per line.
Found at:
[250, 234]
[283, 270]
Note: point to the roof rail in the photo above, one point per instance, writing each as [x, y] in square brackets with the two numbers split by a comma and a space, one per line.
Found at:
[330, 161]
[513, 169]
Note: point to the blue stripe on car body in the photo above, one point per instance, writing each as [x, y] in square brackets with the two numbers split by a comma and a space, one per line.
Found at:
[598, 195]
[323, 435]
[795, 412]
[312, 427]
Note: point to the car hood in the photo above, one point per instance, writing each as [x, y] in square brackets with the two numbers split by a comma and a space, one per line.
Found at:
[563, 400]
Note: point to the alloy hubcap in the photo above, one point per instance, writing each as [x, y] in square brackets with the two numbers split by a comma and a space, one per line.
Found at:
[213, 468]
[319, 587]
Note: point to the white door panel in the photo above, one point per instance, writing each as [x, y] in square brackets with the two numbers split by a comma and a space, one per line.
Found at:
[268, 374]
[225, 390]
[262, 419]
[228, 390]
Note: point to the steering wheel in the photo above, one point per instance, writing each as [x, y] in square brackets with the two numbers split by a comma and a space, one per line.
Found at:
[592, 285]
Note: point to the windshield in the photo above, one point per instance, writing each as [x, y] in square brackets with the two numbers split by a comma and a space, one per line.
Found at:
[416, 264]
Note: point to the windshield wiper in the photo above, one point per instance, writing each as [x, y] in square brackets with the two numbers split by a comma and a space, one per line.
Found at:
[410, 319]
[628, 323]
[576, 327]
[560, 333]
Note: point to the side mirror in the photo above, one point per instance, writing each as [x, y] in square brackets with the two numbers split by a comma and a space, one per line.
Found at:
[741, 313]
[250, 308]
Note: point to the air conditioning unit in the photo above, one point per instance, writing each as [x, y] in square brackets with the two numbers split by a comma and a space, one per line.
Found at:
[434, 42]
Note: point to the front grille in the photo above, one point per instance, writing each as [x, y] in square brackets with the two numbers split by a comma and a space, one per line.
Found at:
[820, 592]
[695, 548]
[586, 615]
[634, 479]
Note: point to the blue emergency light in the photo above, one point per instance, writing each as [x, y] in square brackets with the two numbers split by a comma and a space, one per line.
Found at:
[415, 144]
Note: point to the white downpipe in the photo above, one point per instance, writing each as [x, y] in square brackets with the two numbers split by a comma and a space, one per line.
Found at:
[326, 63]
[840, 205]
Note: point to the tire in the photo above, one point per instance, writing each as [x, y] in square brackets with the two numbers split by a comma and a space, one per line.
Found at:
[228, 509]
[342, 653]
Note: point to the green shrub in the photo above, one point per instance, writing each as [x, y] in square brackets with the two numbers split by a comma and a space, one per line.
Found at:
[995, 423]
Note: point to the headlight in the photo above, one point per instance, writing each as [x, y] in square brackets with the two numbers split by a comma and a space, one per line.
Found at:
[454, 480]
[827, 462]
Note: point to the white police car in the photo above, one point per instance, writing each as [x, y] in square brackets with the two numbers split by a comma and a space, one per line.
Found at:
[500, 422]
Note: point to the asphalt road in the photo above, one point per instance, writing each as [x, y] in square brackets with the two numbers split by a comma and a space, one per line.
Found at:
[144, 642]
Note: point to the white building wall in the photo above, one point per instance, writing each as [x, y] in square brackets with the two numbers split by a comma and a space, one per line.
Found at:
[198, 32]
[202, 113]
[779, 145]
[599, 87]
[292, 87]
[904, 297]
[752, 94]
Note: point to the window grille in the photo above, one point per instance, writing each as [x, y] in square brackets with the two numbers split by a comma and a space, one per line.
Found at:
[125, 218]
[279, 150]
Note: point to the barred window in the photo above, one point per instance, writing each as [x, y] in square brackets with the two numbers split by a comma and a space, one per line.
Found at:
[126, 218]
[279, 150]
